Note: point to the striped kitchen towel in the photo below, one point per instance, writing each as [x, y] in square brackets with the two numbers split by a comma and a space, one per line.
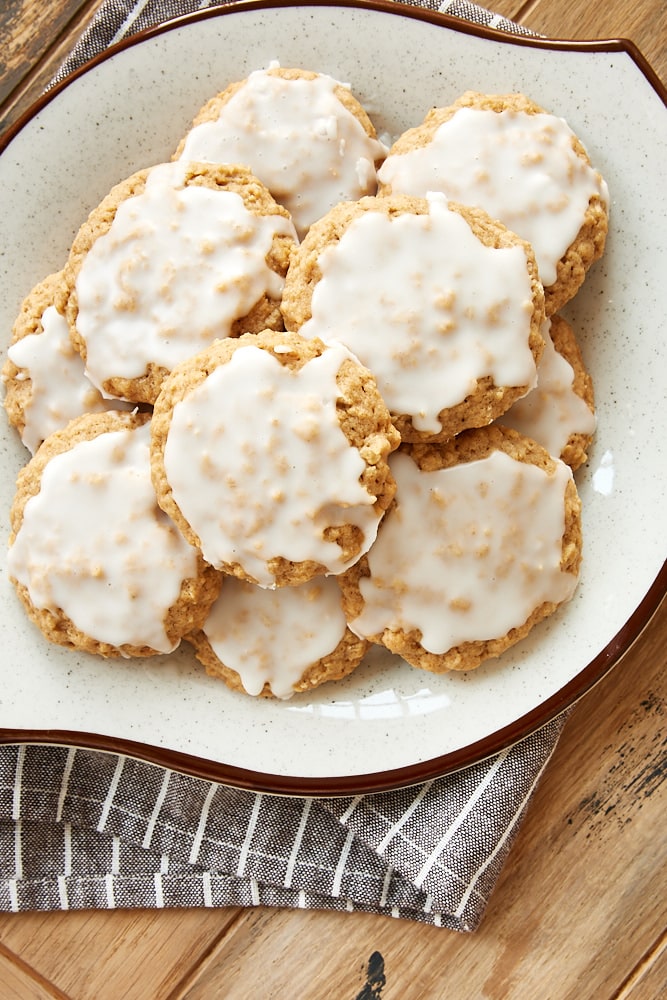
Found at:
[81, 828]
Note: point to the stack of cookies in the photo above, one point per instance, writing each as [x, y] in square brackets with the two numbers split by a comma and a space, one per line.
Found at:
[297, 391]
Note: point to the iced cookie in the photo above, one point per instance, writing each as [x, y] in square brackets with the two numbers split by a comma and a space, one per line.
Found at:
[521, 164]
[176, 256]
[482, 542]
[439, 301]
[269, 451]
[303, 134]
[44, 377]
[559, 412]
[278, 642]
[98, 566]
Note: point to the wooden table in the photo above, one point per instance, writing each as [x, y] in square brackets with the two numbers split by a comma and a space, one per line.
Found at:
[580, 911]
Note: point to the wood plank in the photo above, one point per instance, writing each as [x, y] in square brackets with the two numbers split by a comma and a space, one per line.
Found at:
[34, 40]
[642, 21]
[591, 855]
[106, 955]
[19, 983]
[309, 956]
[27, 30]
[649, 981]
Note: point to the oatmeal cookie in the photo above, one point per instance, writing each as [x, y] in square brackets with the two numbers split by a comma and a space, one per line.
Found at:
[174, 257]
[280, 642]
[483, 541]
[270, 453]
[447, 317]
[559, 412]
[521, 164]
[44, 377]
[304, 134]
[97, 565]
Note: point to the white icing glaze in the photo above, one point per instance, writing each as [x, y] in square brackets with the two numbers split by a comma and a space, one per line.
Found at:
[552, 411]
[272, 636]
[421, 318]
[298, 138]
[259, 465]
[178, 266]
[519, 167]
[60, 390]
[94, 543]
[468, 552]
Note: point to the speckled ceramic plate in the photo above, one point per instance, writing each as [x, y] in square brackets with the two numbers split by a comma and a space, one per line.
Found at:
[388, 724]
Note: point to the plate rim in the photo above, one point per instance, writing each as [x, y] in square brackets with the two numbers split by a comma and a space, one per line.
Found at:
[501, 739]
[393, 7]
[543, 713]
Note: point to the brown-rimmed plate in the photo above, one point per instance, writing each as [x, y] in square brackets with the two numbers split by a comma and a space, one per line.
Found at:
[388, 724]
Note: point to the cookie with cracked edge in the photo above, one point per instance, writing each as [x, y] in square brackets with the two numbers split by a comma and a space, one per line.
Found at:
[575, 254]
[339, 424]
[446, 576]
[108, 559]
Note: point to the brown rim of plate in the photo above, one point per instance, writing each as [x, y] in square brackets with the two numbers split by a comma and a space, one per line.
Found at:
[545, 712]
[394, 7]
[380, 781]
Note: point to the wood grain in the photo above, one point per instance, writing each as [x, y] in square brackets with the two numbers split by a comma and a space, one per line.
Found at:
[580, 909]
[644, 22]
[649, 980]
[136, 948]
[20, 982]
[34, 40]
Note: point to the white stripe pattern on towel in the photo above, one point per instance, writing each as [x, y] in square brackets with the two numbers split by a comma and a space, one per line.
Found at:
[201, 826]
[108, 802]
